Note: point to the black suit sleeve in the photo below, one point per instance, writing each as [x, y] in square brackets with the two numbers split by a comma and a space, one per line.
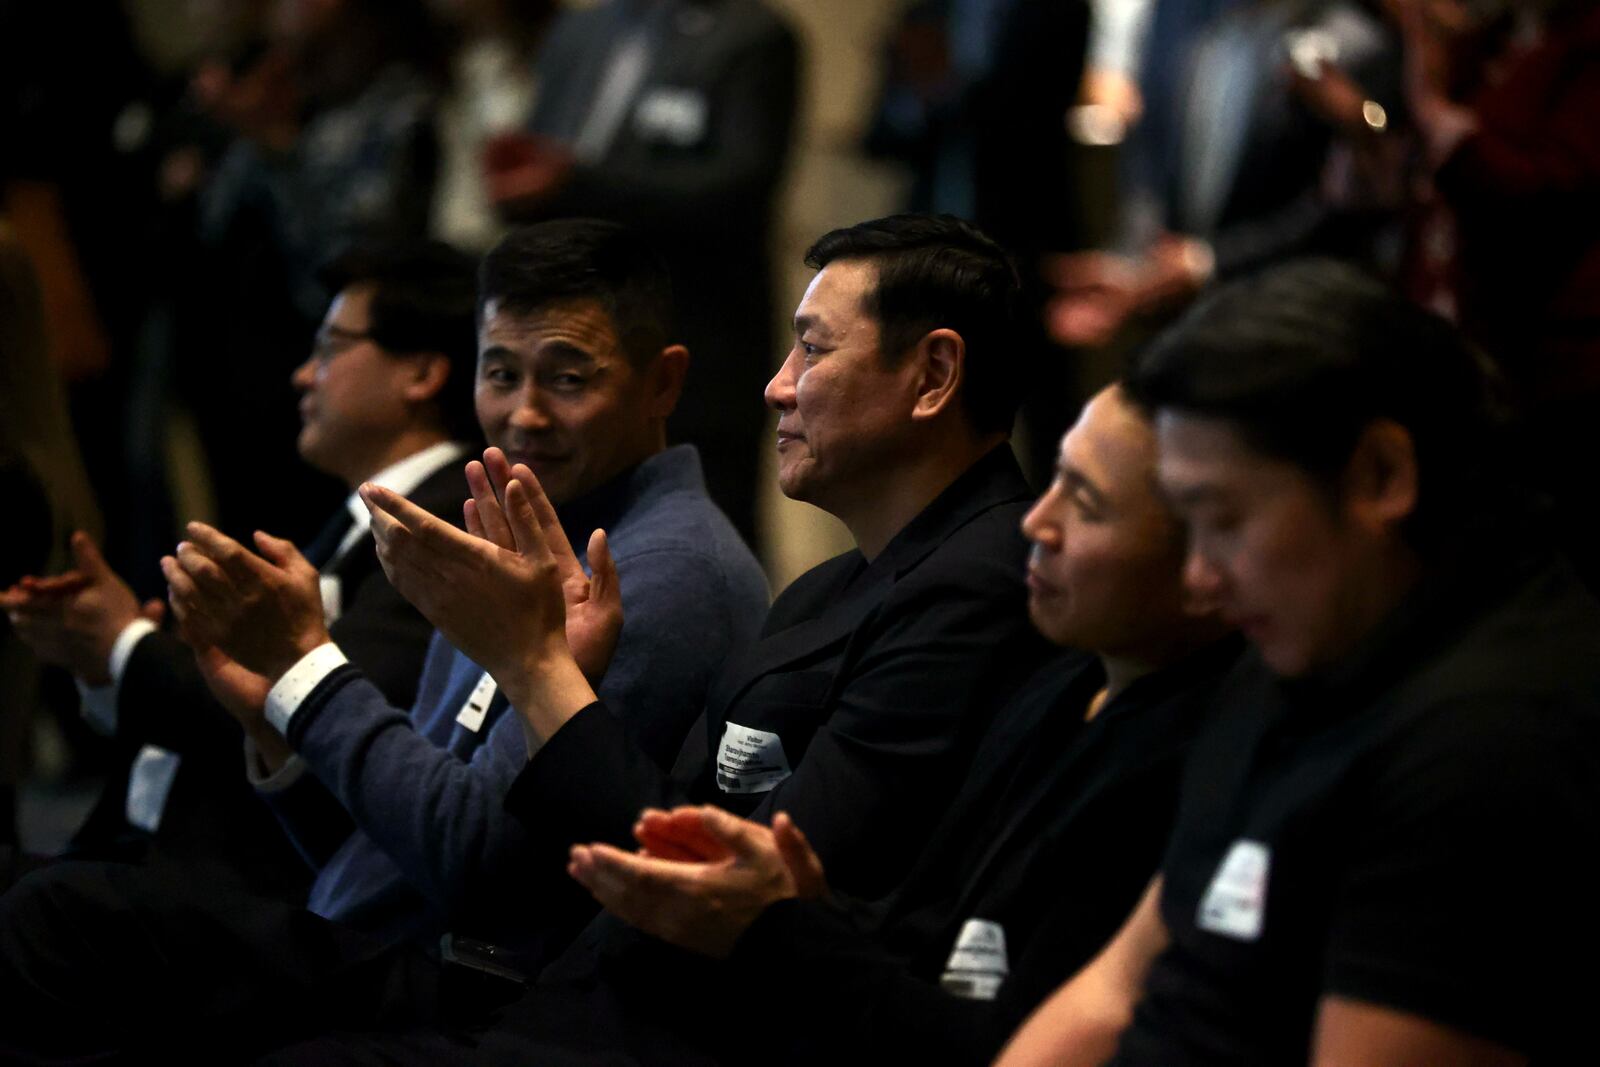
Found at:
[164, 701]
[558, 796]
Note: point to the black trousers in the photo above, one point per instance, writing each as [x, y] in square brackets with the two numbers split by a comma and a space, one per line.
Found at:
[106, 962]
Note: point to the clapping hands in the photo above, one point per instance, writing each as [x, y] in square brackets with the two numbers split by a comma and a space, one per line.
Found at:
[509, 593]
[702, 875]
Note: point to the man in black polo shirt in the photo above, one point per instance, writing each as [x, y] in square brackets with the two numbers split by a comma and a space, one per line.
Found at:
[1385, 844]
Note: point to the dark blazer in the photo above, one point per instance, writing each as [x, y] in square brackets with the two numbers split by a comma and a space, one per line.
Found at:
[877, 679]
[212, 815]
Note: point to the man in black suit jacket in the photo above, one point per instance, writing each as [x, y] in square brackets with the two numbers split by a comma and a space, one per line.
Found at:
[386, 395]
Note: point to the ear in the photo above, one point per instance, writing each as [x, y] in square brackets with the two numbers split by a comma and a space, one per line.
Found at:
[666, 376]
[1381, 477]
[941, 360]
[426, 375]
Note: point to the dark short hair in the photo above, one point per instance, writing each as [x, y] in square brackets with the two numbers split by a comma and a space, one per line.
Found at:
[423, 296]
[937, 271]
[584, 259]
[1301, 358]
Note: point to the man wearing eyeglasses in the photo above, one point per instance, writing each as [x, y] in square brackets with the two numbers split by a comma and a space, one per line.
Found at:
[385, 396]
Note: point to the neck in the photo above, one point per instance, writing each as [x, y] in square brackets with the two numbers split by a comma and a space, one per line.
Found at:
[408, 443]
[903, 490]
[1370, 598]
[1126, 667]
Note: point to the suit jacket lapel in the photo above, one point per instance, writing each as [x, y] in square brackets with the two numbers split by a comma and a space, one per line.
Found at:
[993, 480]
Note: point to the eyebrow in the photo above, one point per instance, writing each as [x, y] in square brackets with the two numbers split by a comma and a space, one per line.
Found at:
[333, 329]
[558, 351]
[1076, 479]
[803, 323]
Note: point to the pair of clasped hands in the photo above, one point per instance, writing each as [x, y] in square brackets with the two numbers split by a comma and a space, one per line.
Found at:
[509, 593]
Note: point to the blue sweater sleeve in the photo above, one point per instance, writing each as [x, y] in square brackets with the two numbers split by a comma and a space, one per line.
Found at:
[302, 808]
[431, 798]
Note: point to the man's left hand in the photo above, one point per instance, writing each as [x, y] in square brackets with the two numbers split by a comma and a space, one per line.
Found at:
[265, 611]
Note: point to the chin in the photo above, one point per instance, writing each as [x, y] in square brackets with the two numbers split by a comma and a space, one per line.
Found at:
[794, 488]
[1055, 630]
[1284, 660]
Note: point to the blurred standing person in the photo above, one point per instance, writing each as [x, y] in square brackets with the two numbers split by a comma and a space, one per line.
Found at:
[975, 98]
[333, 117]
[491, 93]
[1227, 167]
[43, 487]
[674, 117]
[1509, 240]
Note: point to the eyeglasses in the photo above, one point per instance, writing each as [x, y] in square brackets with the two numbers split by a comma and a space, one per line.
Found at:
[333, 340]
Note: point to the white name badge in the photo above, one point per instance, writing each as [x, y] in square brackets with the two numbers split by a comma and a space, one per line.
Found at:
[476, 709]
[1236, 903]
[673, 116]
[332, 597]
[750, 761]
[978, 964]
[149, 781]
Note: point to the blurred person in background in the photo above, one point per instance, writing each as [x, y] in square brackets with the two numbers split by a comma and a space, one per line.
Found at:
[490, 94]
[1506, 103]
[44, 489]
[330, 112]
[675, 117]
[1228, 162]
[974, 101]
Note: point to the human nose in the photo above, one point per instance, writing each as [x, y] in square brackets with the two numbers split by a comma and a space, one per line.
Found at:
[1201, 576]
[305, 375]
[530, 415]
[1036, 524]
[779, 393]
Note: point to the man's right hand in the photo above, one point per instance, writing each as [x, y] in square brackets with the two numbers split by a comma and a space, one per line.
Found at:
[72, 620]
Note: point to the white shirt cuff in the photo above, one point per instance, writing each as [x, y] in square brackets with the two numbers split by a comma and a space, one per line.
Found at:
[287, 694]
[122, 648]
[100, 701]
[265, 781]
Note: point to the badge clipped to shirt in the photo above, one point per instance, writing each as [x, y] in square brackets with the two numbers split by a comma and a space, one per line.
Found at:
[1236, 902]
[978, 964]
[149, 782]
[332, 590]
[671, 116]
[476, 709]
[750, 760]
